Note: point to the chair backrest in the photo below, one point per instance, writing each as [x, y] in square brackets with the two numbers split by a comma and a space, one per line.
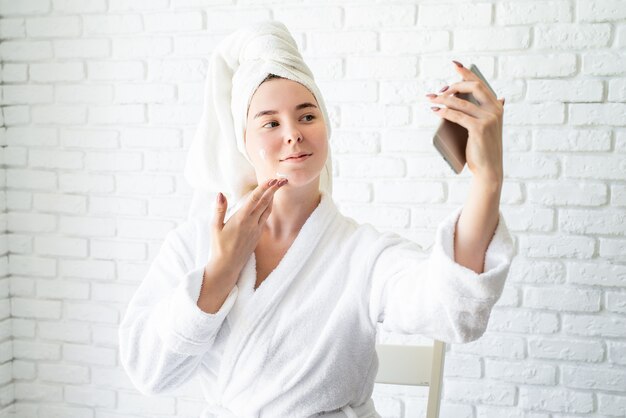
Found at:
[414, 365]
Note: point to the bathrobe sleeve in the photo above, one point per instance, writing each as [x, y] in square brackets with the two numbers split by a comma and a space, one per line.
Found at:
[163, 335]
[434, 296]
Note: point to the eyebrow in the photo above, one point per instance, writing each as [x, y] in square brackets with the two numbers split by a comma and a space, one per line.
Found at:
[273, 112]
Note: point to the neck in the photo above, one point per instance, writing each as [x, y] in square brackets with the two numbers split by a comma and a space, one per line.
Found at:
[291, 207]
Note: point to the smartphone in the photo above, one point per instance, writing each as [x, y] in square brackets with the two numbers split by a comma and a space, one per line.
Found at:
[450, 139]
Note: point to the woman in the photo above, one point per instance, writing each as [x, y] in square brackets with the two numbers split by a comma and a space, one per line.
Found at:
[281, 319]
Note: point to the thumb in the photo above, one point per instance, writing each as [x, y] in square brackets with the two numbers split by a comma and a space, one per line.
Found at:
[220, 209]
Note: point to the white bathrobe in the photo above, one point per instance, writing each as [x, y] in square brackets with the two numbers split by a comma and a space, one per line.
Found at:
[304, 342]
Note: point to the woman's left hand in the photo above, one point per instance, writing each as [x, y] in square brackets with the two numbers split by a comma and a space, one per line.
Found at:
[483, 123]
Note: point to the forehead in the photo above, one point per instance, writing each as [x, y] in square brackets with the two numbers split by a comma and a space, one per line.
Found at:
[280, 92]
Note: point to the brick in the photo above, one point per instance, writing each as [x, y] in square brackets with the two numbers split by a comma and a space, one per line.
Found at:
[611, 248]
[606, 222]
[40, 158]
[594, 167]
[523, 321]
[492, 39]
[32, 136]
[613, 405]
[24, 7]
[494, 346]
[480, 392]
[31, 94]
[34, 308]
[115, 250]
[113, 161]
[555, 400]
[332, 43]
[85, 183]
[59, 114]
[569, 246]
[400, 42]
[407, 192]
[370, 16]
[608, 326]
[521, 372]
[529, 219]
[600, 10]
[567, 36]
[616, 302]
[145, 93]
[67, 71]
[565, 90]
[598, 274]
[437, 16]
[141, 47]
[120, 70]
[63, 331]
[564, 193]
[32, 266]
[63, 373]
[60, 246]
[530, 12]
[38, 392]
[173, 22]
[53, 27]
[567, 349]
[118, 114]
[573, 140]
[606, 114]
[112, 24]
[617, 352]
[76, 353]
[87, 269]
[90, 312]
[84, 94]
[50, 202]
[372, 67]
[559, 299]
[12, 28]
[82, 48]
[603, 64]
[593, 377]
[14, 73]
[525, 66]
[88, 226]
[79, 6]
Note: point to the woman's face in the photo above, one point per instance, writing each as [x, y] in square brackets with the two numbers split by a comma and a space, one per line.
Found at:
[277, 126]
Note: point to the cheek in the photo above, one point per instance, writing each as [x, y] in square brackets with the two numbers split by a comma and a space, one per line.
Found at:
[263, 154]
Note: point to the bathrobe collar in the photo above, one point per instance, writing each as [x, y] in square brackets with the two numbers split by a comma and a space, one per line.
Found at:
[252, 305]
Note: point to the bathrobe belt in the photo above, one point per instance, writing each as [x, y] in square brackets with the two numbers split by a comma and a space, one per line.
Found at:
[366, 410]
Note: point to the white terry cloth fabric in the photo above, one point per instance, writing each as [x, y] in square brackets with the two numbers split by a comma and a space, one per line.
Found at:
[303, 343]
[217, 160]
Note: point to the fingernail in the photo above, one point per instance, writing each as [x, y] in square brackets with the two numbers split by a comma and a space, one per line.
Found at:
[220, 197]
[444, 89]
[435, 108]
[432, 96]
[282, 182]
[503, 101]
[272, 182]
[458, 64]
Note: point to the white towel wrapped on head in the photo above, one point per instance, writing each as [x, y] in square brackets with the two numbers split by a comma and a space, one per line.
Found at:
[217, 160]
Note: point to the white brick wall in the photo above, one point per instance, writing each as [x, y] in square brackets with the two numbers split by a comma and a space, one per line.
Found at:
[100, 99]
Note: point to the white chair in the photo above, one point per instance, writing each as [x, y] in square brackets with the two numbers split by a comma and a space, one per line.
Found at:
[415, 366]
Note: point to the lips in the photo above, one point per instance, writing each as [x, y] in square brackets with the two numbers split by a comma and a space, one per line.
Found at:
[298, 157]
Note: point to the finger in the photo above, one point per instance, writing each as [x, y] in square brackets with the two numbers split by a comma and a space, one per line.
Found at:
[460, 118]
[457, 103]
[220, 211]
[266, 212]
[265, 199]
[256, 195]
[476, 87]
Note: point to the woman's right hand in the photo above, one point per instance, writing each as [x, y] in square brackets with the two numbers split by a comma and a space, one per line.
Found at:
[233, 242]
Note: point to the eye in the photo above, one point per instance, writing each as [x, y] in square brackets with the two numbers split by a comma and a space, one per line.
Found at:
[311, 116]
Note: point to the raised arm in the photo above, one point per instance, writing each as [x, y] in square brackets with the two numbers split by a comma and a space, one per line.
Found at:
[164, 333]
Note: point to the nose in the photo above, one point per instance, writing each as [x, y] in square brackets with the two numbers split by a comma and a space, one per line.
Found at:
[294, 133]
